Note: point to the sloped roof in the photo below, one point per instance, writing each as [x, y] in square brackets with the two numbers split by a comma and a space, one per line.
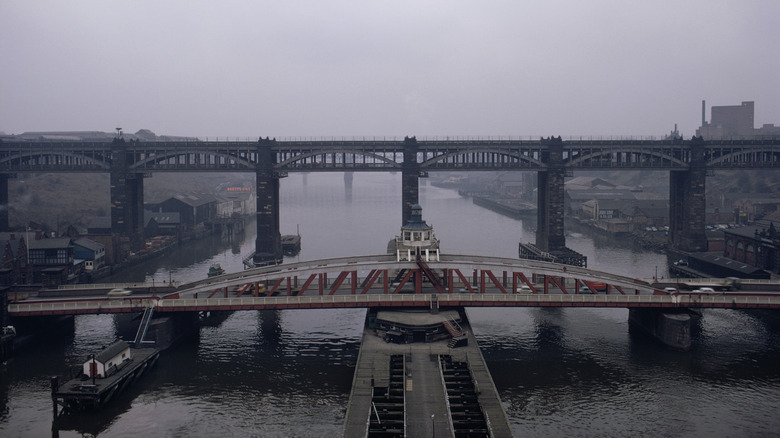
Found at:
[162, 217]
[194, 199]
[100, 222]
[112, 350]
[584, 195]
[52, 243]
[588, 181]
[724, 262]
[614, 204]
[89, 244]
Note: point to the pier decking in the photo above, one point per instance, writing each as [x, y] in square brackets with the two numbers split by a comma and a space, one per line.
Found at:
[82, 394]
[423, 388]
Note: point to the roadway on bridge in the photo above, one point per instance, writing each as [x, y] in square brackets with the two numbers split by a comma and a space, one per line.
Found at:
[485, 282]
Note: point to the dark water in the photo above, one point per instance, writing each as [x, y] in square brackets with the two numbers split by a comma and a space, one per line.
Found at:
[564, 372]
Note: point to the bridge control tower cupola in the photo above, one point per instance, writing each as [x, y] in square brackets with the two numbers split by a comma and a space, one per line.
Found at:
[417, 237]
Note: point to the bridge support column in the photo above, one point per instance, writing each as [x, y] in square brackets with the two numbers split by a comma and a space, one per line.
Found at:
[410, 183]
[4, 225]
[549, 224]
[127, 197]
[268, 244]
[170, 328]
[348, 177]
[687, 211]
[669, 328]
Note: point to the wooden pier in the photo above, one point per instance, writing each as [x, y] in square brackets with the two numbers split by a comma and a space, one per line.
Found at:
[87, 393]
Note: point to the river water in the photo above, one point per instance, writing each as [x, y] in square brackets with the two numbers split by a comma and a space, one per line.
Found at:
[560, 372]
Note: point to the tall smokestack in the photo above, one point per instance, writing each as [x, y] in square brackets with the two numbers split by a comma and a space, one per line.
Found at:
[702, 113]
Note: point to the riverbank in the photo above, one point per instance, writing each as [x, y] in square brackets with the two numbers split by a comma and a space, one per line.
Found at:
[161, 246]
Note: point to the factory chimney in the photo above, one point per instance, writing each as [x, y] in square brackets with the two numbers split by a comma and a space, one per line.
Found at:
[702, 113]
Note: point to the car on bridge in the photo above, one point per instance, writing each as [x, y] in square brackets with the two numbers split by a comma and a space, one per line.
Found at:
[705, 291]
[119, 292]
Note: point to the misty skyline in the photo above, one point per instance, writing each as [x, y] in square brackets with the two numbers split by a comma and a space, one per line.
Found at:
[249, 69]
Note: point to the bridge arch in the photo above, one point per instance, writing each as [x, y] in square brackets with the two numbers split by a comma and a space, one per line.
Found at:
[511, 157]
[377, 160]
[53, 160]
[764, 156]
[219, 160]
[666, 160]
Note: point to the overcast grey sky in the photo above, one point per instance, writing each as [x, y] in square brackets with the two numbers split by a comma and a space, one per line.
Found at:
[379, 68]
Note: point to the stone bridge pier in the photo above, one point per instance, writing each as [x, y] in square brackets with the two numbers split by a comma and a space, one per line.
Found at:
[4, 225]
[687, 203]
[550, 235]
[550, 238]
[268, 243]
[410, 183]
[127, 196]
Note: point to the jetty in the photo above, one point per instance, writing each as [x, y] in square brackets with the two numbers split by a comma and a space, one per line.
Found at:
[104, 376]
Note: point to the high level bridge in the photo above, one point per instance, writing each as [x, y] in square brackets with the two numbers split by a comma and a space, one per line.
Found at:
[128, 162]
[381, 281]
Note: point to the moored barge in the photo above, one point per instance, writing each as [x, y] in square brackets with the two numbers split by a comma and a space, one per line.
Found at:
[104, 376]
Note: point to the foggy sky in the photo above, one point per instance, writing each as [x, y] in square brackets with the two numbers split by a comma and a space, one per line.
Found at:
[378, 68]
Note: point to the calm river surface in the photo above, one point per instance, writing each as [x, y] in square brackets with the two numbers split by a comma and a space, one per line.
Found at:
[569, 372]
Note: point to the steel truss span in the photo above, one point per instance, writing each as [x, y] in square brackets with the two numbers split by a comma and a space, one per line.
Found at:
[379, 154]
[380, 281]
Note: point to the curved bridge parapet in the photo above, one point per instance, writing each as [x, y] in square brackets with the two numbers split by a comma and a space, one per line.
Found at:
[380, 281]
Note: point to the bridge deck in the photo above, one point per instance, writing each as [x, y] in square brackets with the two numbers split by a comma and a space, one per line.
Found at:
[366, 282]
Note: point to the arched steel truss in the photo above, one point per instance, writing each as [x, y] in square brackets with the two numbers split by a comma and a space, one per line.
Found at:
[380, 281]
[381, 155]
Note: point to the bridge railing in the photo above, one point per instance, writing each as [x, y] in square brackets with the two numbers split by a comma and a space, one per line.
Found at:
[414, 300]
[110, 286]
[81, 306]
[471, 299]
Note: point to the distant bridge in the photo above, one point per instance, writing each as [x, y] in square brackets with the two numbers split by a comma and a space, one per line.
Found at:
[128, 162]
[380, 281]
[383, 154]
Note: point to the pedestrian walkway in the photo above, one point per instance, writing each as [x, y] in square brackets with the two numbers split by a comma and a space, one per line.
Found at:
[428, 409]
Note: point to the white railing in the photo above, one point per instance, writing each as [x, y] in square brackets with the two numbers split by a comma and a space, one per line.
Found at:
[422, 300]
[92, 286]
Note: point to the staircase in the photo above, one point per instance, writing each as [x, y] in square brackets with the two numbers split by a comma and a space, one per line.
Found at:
[434, 279]
[143, 327]
[453, 328]
[459, 337]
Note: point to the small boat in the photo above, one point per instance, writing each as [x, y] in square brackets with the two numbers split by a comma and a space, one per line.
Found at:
[215, 270]
[291, 244]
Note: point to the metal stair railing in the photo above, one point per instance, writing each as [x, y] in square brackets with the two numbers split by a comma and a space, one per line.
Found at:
[143, 327]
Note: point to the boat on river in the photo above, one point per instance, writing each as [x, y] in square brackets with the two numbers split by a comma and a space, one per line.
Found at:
[215, 270]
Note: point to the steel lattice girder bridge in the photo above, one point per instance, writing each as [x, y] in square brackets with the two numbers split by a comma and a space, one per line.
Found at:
[382, 154]
[380, 281]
